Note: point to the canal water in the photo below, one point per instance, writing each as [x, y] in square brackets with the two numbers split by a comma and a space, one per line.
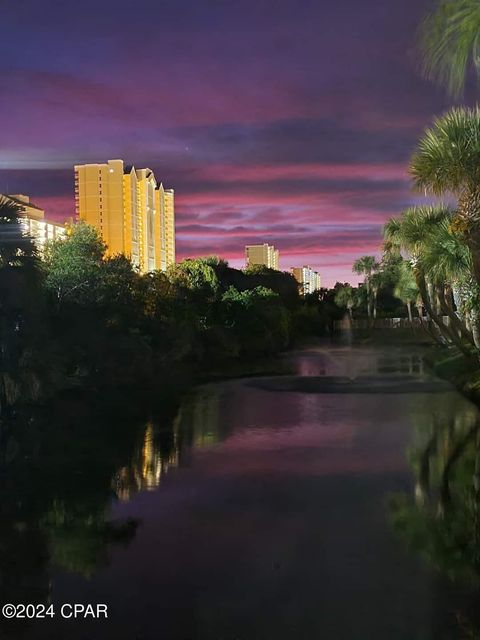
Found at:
[338, 502]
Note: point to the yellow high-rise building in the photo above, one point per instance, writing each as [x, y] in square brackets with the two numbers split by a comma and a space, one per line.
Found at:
[169, 200]
[134, 214]
[262, 254]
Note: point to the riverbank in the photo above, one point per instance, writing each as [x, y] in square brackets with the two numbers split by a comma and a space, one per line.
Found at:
[445, 362]
[402, 336]
[284, 474]
[461, 371]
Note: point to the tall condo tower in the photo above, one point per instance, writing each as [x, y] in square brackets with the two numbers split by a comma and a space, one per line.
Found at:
[133, 213]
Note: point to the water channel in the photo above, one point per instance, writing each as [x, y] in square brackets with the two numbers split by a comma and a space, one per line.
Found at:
[338, 501]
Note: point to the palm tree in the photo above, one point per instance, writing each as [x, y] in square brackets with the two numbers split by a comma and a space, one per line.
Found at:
[366, 265]
[444, 256]
[448, 264]
[411, 233]
[450, 43]
[345, 298]
[406, 288]
[377, 281]
[447, 160]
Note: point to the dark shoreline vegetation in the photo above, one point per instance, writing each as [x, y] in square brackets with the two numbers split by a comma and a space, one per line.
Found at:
[76, 321]
[74, 318]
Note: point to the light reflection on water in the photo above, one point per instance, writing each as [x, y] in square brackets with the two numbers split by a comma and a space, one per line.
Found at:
[262, 513]
[149, 465]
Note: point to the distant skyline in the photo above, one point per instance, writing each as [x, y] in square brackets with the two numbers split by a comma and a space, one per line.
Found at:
[289, 121]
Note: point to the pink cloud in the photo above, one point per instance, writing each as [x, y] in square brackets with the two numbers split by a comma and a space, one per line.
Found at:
[307, 229]
[261, 173]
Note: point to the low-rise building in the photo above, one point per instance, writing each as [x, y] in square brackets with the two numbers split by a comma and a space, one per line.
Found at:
[34, 222]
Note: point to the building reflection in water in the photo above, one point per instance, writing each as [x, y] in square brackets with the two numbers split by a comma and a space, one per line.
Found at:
[199, 417]
[150, 462]
[161, 446]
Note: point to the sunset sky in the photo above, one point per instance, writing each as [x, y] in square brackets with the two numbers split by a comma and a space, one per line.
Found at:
[281, 121]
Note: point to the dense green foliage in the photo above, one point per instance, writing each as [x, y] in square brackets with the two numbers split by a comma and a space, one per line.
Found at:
[447, 161]
[345, 298]
[22, 330]
[440, 243]
[87, 318]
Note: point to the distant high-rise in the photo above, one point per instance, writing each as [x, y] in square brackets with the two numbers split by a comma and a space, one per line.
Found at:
[133, 213]
[308, 279]
[262, 254]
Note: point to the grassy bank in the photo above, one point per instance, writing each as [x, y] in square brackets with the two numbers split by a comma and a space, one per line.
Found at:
[458, 369]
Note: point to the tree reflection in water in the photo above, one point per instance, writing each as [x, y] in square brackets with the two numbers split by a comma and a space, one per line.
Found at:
[60, 469]
[56, 470]
[441, 519]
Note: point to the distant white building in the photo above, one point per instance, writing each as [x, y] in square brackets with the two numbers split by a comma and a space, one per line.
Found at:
[308, 279]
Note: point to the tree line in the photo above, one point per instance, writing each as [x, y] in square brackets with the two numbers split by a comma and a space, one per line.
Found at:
[72, 315]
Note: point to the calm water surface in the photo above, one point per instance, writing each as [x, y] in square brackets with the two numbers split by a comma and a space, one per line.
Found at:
[265, 509]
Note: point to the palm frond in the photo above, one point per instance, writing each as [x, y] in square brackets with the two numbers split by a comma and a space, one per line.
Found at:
[447, 157]
[443, 257]
[365, 265]
[449, 40]
[406, 288]
[417, 222]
